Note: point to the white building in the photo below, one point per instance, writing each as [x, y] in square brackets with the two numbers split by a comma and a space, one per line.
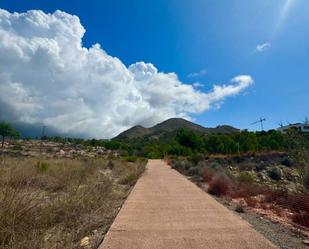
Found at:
[301, 127]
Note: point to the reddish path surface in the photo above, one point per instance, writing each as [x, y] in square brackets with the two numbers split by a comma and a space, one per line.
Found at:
[167, 211]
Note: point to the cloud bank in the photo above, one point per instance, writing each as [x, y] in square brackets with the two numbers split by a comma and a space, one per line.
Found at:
[48, 77]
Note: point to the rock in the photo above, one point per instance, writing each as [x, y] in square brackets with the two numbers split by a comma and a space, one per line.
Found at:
[239, 209]
[84, 242]
[262, 176]
[261, 166]
[100, 151]
[306, 242]
[292, 175]
[61, 152]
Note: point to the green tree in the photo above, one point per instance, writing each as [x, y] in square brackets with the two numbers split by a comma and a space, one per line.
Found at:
[214, 144]
[189, 139]
[6, 130]
[247, 141]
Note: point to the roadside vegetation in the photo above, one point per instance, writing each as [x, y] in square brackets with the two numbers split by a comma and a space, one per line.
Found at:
[188, 143]
[61, 203]
[271, 184]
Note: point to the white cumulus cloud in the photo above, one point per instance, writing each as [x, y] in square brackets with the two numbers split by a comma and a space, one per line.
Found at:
[48, 77]
[198, 84]
[263, 47]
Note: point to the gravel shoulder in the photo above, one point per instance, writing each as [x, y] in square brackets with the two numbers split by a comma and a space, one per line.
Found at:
[275, 232]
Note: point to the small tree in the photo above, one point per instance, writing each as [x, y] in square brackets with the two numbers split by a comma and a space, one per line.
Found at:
[6, 130]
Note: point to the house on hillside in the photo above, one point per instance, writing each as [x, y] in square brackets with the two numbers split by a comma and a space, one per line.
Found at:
[301, 127]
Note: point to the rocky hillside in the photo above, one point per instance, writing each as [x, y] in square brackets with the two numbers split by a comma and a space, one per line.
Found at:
[169, 128]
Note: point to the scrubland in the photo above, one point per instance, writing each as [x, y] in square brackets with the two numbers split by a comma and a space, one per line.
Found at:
[270, 184]
[61, 203]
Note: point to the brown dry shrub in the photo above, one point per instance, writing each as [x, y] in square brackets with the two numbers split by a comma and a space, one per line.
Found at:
[296, 202]
[251, 202]
[301, 219]
[219, 185]
[239, 190]
[207, 174]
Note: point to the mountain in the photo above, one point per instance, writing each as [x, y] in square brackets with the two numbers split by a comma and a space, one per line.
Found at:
[169, 128]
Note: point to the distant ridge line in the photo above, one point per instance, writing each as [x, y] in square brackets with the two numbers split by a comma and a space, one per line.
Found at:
[169, 127]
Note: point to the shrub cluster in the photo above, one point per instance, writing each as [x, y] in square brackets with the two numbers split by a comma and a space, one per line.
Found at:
[244, 186]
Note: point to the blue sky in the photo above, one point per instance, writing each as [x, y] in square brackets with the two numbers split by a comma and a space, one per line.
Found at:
[217, 38]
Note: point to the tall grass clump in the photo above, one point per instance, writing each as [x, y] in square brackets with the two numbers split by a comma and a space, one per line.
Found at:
[41, 166]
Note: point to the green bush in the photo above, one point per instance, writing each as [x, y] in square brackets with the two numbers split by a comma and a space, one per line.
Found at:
[196, 158]
[182, 166]
[287, 162]
[153, 155]
[245, 177]
[188, 165]
[177, 165]
[216, 167]
[131, 159]
[41, 167]
[193, 171]
[275, 174]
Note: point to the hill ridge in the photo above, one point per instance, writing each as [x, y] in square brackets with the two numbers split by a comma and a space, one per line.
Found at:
[169, 127]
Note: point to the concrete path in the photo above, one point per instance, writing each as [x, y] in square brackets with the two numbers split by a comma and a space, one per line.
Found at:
[167, 211]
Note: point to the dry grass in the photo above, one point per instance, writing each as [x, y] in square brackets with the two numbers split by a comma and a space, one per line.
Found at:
[55, 203]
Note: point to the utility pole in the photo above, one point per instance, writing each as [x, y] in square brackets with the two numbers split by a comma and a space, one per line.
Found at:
[261, 120]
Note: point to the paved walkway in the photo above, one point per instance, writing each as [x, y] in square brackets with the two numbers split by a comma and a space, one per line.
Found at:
[166, 211]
